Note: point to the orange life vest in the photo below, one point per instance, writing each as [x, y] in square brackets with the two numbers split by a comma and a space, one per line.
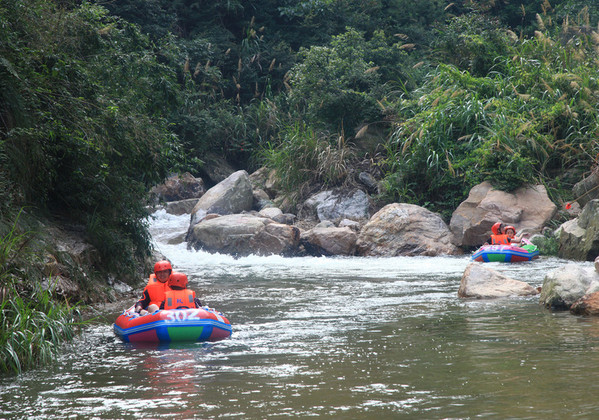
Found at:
[180, 299]
[156, 290]
[500, 240]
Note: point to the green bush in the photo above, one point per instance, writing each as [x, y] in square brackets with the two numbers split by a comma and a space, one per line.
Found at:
[337, 87]
[523, 123]
[303, 159]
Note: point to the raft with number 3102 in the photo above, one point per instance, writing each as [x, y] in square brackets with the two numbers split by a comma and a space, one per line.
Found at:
[172, 325]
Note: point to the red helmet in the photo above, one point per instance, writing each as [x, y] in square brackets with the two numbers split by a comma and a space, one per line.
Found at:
[510, 227]
[178, 279]
[495, 228]
[162, 265]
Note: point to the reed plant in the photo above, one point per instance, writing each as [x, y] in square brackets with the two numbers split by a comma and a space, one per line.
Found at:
[304, 158]
[32, 323]
[32, 329]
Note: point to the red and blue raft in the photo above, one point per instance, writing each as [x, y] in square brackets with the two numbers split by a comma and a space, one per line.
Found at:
[505, 253]
[172, 325]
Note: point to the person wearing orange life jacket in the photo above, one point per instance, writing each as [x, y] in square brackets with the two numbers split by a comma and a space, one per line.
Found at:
[179, 297]
[510, 231]
[153, 293]
[508, 238]
[500, 239]
[497, 229]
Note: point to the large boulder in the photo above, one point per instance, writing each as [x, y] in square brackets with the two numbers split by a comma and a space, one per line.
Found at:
[265, 179]
[232, 195]
[215, 168]
[180, 187]
[334, 206]
[330, 241]
[482, 282]
[565, 285]
[244, 234]
[181, 207]
[587, 189]
[527, 208]
[579, 238]
[405, 229]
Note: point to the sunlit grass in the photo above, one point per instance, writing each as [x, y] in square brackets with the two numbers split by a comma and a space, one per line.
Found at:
[32, 330]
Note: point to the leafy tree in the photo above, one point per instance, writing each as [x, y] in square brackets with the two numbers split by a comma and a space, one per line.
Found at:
[473, 42]
[339, 85]
[82, 129]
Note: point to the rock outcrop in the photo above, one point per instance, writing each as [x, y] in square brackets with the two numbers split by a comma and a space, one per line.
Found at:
[244, 234]
[482, 282]
[527, 208]
[330, 241]
[233, 195]
[565, 285]
[330, 205]
[579, 238]
[405, 229]
[587, 305]
[587, 189]
[180, 187]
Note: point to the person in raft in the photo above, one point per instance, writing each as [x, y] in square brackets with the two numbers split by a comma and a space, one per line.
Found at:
[508, 238]
[154, 292]
[510, 231]
[179, 296]
[496, 230]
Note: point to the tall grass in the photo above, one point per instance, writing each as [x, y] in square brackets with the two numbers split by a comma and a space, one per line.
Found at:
[304, 159]
[32, 329]
[32, 324]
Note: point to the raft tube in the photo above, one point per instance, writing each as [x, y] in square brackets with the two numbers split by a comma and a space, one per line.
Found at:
[172, 325]
[505, 253]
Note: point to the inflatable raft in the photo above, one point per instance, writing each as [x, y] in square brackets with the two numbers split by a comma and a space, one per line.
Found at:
[505, 253]
[165, 326]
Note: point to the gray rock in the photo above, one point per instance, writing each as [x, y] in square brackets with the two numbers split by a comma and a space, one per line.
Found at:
[329, 205]
[244, 234]
[587, 189]
[405, 229]
[565, 285]
[180, 187]
[579, 238]
[329, 241]
[270, 212]
[482, 282]
[368, 180]
[232, 195]
[181, 207]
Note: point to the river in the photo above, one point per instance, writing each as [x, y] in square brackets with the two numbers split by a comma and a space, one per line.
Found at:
[348, 338]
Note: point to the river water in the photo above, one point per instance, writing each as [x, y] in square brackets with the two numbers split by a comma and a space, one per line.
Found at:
[350, 338]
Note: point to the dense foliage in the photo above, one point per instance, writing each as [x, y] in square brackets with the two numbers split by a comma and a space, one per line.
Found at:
[530, 118]
[32, 329]
[82, 97]
[33, 323]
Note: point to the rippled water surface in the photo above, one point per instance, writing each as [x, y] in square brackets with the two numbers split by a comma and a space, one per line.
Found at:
[344, 338]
